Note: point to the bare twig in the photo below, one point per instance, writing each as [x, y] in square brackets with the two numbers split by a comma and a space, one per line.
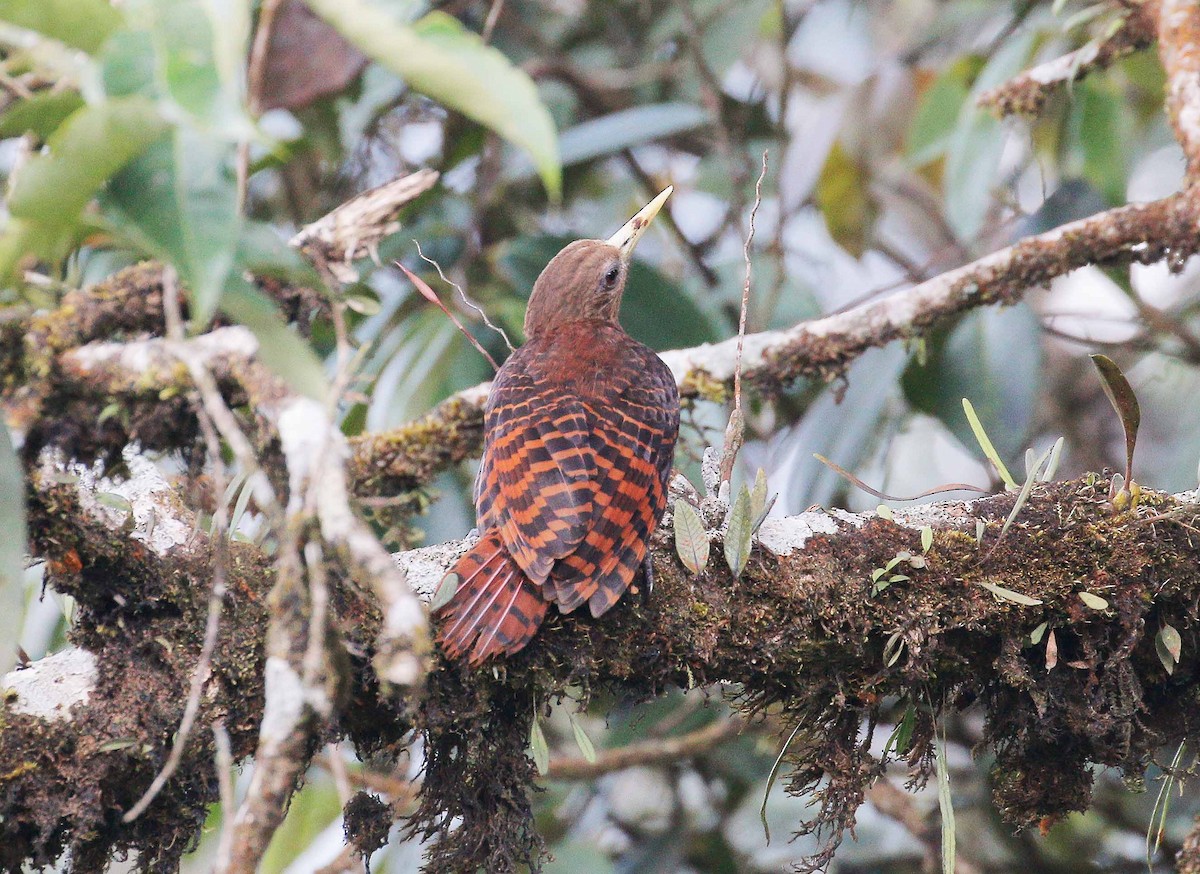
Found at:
[489, 25]
[224, 765]
[429, 295]
[736, 429]
[462, 295]
[650, 752]
[256, 69]
[216, 600]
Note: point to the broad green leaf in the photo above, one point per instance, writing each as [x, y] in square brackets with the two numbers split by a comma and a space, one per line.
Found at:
[178, 202]
[1098, 121]
[83, 24]
[279, 347]
[54, 187]
[973, 152]
[992, 356]
[1169, 646]
[262, 251]
[40, 114]
[691, 541]
[845, 202]
[629, 127]
[538, 747]
[12, 550]
[443, 60]
[1124, 401]
[937, 113]
[1009, 595]
[582, 740]
[738, 534]
[1093, 601]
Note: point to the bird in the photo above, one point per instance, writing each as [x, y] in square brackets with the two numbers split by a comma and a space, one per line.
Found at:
[579, 437]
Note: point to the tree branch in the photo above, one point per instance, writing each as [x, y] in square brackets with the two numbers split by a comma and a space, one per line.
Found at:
[399, 460]
[1027, 93]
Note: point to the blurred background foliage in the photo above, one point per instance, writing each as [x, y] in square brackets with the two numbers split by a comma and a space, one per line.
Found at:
[137, 130]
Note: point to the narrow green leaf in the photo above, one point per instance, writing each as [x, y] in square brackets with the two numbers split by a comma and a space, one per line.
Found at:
[901, 735]
[893, 649]
[985, 444]
[239, 509]
[54, 187]
[445, 591]
[1124, 401]
[279, 347]
[926, 538]
[582, 740]
[40, 114]
[443, 60]
[738, 534]
[1055, 458]
[946, 807]
[1031, 477]
[82, 24]
[539, 748]
[12, 550]
[626, 128]
[691, 540]
[1093, 601]
[1009, 595]
[762, 810]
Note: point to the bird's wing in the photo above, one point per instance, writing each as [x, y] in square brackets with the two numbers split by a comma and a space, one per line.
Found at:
[633, 437]
[538, 474]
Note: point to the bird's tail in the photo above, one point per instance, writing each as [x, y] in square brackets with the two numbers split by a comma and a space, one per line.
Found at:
[495, 609]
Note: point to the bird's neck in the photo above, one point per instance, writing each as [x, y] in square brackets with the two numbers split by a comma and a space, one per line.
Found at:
[579, 352]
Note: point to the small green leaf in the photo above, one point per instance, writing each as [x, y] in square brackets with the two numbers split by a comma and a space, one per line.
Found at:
[1169, 646]
[893, 649]
[926, 538]
[985, 444]
[738, 534]
[901, 735]
[883, 511]
[1093, 601]
[538, 747]
[1009, 595]
[440, 58]
[691, 540]
[980, 529]
[1035, 636]
[877, 573]
[758, 496]
[114, 501]
[82, 24]
[445, 591]
[582, 740]
[12, 550]
[1055, 457]
[112, 746]
[283, 350]
[1124, 401]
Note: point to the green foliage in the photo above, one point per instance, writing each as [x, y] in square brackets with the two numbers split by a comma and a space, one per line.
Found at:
[440, 58]
[82, 24]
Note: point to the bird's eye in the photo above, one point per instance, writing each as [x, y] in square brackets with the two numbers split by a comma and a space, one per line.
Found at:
[611, 277]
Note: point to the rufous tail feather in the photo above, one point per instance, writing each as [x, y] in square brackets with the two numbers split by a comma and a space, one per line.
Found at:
[495, 609]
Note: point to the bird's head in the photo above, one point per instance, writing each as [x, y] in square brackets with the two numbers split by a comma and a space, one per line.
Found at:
[585, 281]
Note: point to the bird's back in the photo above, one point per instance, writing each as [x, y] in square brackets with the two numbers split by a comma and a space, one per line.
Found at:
[580, 431]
